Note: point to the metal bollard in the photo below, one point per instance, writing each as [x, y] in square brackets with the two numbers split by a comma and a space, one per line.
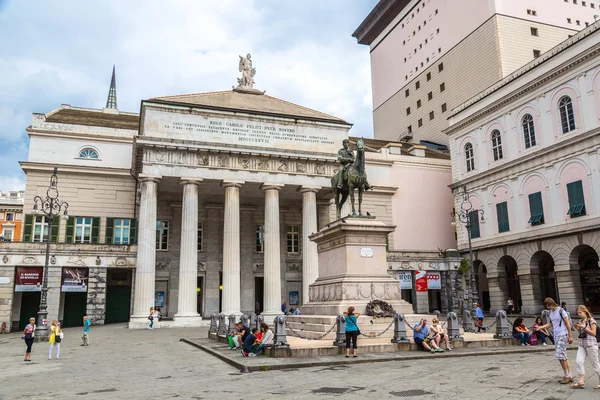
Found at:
[259, 320]
[400, 329]
[252, 320]
[340, 331]
[231, 327]
[222, 328]
[453, 327]
[280, 332]
[468, 325]
[546, 316]
[213, 325]
[244, 320]
[502, 329]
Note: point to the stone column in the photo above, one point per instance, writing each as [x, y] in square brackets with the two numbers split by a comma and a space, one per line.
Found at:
[568, 281]
[272, 285]
[497, 293]
[146, 254]
[187, 314]
[96, 295]
[310, 258]
[530, 305]
[231, 248]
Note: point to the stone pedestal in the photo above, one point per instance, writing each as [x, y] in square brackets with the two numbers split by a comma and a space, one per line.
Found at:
[353, 268]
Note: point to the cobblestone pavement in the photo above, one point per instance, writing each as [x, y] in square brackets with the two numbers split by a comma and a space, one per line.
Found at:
[125, 364]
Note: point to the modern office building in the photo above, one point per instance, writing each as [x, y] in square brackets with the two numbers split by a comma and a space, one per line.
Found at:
[429, 56]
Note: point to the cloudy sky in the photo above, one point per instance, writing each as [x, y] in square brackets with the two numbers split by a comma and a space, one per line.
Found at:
[62, 52]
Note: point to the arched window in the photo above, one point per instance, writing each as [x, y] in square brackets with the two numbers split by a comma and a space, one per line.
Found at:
[469, 157]
[497, 145]
[567, 116]
[88, 153]
[528, 130]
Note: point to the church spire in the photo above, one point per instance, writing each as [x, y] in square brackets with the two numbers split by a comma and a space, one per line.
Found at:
[111, 101]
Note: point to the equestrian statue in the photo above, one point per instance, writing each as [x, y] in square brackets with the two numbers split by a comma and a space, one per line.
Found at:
[351, 176]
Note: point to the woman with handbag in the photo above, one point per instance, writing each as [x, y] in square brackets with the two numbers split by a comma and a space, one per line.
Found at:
[352, 330]
[55, 339]
[588, 345]
[29, 333]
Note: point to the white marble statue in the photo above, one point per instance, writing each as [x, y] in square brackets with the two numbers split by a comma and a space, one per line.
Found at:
[245, 67]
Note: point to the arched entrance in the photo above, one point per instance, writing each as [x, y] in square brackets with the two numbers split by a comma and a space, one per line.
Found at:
[482, 285]
[508, 266]
[542, 264]
[589, 270]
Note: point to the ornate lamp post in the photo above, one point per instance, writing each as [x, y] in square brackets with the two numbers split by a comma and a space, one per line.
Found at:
[49, 207]
[464, 216]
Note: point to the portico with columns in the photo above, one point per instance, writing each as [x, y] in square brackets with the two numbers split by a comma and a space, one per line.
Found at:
[229, 187]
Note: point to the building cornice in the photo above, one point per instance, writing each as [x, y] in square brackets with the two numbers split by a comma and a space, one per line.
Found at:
[589, 141]
[79, 169]
[80, 135]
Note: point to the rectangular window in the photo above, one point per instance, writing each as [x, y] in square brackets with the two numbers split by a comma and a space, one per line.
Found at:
[162, 235]
[576, 199]
[293, 238]
[444, 107]
[578, 22]
[428, 76]
[583, 3]
[431, 115]
[536, 209]
[420, 122]
[569, 20]
[441, 67]
[502, 213]
[418, 103]
[408, 111]
[417, 85]
[10, 216]
[430, 95]
[406, 93]
[83, 230]
[260, 239]
[40, 229]
[121, 231]
[7, 234]
[536, 53]
[534, 31]
[474, 222]
[409, 129]
[442, 87]
[592, 5]
[199, 236]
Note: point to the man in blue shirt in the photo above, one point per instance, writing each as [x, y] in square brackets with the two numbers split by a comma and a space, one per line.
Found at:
[421, 338]
[480, 316]
[86, 330]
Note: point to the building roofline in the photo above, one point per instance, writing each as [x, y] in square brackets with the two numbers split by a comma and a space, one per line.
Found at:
[378, 19]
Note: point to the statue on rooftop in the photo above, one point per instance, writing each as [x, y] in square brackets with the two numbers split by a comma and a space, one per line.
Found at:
[245, 67]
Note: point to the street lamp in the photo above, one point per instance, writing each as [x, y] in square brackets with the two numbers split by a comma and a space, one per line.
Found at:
[49, 207]
[464, 216]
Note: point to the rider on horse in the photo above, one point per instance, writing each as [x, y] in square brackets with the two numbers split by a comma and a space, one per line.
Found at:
[346, 159]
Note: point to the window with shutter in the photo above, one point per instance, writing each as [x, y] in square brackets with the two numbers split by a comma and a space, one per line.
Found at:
[133, 232]
[474, 222]
[95, 230]
[576, 199]
[54, 230]
[536, 209]
[502, 212]
[28, 228]
[70, 234]
[110, 227]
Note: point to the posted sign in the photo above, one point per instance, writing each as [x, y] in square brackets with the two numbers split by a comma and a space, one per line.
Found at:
[74, 279]
[434, 280]
[29, 279]
[405, 279]
[421, 281]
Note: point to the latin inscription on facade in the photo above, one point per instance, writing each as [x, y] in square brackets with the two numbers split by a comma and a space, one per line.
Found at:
[244, 132]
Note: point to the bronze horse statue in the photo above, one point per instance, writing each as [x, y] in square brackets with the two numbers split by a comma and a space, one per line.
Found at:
[357, 179]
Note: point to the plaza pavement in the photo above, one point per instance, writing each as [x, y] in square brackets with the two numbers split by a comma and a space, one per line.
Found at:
[127, 364]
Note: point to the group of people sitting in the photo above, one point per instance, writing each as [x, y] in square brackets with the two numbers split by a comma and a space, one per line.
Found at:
[430, 338]
[251, 341]
[521, 332]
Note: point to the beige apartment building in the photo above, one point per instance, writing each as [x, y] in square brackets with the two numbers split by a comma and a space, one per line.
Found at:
[429, 56]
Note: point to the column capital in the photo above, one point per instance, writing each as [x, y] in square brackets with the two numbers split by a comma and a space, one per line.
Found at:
[232, 183]
[271, 186]
[149, 178]
[314, 189]
[191, 181]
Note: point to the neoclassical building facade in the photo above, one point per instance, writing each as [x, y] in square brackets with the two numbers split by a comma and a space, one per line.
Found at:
[527, 151]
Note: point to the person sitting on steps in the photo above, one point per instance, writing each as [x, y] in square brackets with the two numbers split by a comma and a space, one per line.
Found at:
[541, 334]
[521, 332]
[421, 339]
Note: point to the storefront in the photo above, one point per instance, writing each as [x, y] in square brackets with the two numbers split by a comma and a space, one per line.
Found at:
[118, 295]
[28, 288]
[74, 287]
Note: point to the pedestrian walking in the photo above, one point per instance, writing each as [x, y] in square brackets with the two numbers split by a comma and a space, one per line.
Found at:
[559, 321]
[588, 345]
[352, 331]
[86, 331]
[151, 318]
[29, 334]
[480, 317]
[54, 339]
[510, 306]
[563, 305]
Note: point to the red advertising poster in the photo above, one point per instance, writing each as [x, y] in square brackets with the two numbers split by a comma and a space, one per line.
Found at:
[29, 279]
[421, 281]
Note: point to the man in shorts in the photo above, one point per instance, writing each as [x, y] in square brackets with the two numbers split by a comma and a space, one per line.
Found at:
[559, 321]
[421, 333]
